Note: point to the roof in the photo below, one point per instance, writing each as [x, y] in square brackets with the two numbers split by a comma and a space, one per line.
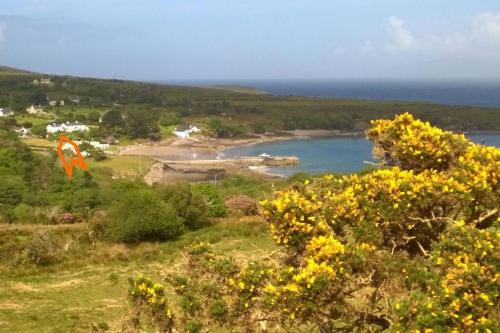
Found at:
[182, 128]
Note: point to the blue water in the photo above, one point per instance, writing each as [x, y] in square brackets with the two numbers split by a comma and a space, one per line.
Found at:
[474, 93]
[333, 154]
[458, 92]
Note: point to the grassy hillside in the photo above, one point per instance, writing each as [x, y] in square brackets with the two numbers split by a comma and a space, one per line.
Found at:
[85, 285]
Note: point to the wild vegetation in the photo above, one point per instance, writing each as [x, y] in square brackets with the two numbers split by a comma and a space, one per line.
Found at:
[410, 247]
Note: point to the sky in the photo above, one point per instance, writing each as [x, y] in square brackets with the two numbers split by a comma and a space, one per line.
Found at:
[259, 39]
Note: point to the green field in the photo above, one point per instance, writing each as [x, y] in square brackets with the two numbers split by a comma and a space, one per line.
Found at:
[122, 166]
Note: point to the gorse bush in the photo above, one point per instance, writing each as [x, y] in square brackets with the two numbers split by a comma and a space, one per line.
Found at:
[149, 302]
[141, 215]
[410, 247]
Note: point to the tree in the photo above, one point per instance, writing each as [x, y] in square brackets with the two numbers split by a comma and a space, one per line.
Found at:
[140, 216]
[38, 98]
[112, 118]
[94, 116]
[223, 129]
[40, 130]
[142, 124]
[169, 119]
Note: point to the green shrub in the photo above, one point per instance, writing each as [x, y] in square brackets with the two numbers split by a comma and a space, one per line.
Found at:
[169, 119]
[255, 186]
[141, 216]
[24, 213]
[219, 310]
[190, 206]
[212, 198]
[224, 129]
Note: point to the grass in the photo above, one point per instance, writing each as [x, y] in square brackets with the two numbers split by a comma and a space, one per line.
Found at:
[88, 285]
[121, 166]
[40, 143]
[34, 120]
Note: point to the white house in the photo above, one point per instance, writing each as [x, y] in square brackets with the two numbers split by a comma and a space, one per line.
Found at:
[95, 144]
[184, 132]
[98, 145]
[52, 103]
[44, 81]
[70, 147]
[74, 99]
[5, 112]
[67, 127]
[37, 110]
[22, 132]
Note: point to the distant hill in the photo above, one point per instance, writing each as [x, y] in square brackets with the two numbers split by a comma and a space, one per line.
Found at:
[238, 89]
[5, 70]
[242, 110]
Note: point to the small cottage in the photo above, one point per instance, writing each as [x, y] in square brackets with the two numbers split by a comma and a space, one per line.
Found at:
[6, 112]
[22, 132]
[185, 132]
[36, 110]
[66, 127]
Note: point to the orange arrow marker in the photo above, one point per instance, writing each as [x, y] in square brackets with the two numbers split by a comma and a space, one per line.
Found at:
[78, 160]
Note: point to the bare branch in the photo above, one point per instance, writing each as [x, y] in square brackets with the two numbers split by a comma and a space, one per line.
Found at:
[424, 252]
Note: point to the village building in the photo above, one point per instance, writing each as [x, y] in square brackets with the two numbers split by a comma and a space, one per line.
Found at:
[44, 81]
[22, 132]
[36, 110]
[66, 127]
[185, 132]
[95, 144]
[55, 102]
[5, 112]
[74, 99]
[69, 147]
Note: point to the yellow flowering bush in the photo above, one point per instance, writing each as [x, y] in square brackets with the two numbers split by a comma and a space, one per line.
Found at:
[409, 247]
[149, 301]
[335, 229]
[461, 285]
[414, 144]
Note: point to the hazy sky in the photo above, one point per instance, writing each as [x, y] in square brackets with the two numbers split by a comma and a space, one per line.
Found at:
[254, 39]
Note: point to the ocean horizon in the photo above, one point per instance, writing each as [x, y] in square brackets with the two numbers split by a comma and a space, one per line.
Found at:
[485, 93]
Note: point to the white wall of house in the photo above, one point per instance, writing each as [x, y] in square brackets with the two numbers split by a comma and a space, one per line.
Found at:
[186, 133]
[5, 112]
[66, 127]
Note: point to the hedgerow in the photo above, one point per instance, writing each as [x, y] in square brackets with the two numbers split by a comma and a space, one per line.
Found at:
[412, 246]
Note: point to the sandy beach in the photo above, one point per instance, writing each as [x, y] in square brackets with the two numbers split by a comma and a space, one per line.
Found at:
[202, 147]
[200, 157]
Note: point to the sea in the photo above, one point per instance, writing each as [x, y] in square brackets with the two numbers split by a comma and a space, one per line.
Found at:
[472, 92]
[351, 154]
[329, 154]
